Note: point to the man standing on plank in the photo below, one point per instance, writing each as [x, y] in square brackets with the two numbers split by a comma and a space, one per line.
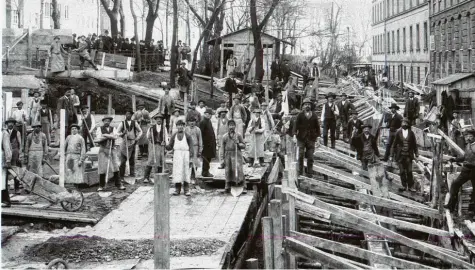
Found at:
[157, 136]
[14, 138]
[411, 109]
[393, 120]
[330, 113]
[181, 143]
[222, 128]
[36, 150]
[167, 106]
[197, 146]
[209, 142]
[366, 147]
[46, 119]
[306, 132]
[88, 123]
[404, 150]
[75, 156]
[231, 155]
[238, 114]
[130, 131]
[33, 107]
[108, 159]
[142, 116]
[354, 127]
[344, 107]
[256, 130]
[21, 119]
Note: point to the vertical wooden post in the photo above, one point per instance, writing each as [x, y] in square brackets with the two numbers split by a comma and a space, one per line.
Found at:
[103, 60]
[293, 175]
[129, 63]
[292, 220]
[221, 61]
[379, 183]
[89, 103]
[134, 103]
[185, 103]
[8, 104]
[69, 62]
[252, 263]
[24, 97]
[437, 173]
[30, 46]
[275, 212]
[62, 134]
[268, 242]
[278, 192]
[109, 105]
[7, 60]
[161, 244]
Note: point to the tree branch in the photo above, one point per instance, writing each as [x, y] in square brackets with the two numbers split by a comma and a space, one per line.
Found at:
[269, 14]
[198, 17]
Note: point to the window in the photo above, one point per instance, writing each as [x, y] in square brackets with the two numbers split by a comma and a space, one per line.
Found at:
[394, 43]
[51, 9]
[47, 10]
[404, 77]
[15, 17]
[411, 37]
[398, 42]
[392, 7]
[418, 75]
[469, 35]
[404, 39]
[426, 70]
[426, 36]
[66, 12]
[418, 39]
[388, 40]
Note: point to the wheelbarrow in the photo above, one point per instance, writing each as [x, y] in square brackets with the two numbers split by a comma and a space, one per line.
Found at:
[71, 200]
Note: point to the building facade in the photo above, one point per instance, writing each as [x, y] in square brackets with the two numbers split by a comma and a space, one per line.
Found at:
[400, 36]
[452, 37]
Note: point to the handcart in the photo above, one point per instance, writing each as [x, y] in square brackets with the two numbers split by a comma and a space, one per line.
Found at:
[71, 200]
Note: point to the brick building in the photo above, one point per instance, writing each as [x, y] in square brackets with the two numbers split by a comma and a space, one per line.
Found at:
[400, 31]
[452, 37]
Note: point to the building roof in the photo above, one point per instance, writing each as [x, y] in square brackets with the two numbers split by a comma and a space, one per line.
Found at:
[21, 81]
[453, 78]
[213, 41]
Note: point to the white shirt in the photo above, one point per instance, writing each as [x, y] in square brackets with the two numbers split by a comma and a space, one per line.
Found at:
[201, 110]
[93, 121]
[19, 115]
[343, 102]
[405, 132]
[323, 111]
[366, 135]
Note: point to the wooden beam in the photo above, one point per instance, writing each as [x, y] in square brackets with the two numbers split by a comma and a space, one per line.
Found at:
[161, 246]
[268, 242]
[370, 199]
[470, 226]
[62, 142]
[312, 210]
[312, 253]
[109, 105]
[354, 251]
[450, 222]
[379, 183]
[345, 218]
[335, 159]
[451, 143]
[47, 214]
[292, 227]
[275, 212]
[134, 103]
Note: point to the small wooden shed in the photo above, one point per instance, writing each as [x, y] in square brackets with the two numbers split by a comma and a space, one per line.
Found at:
[465, 82]
[241, 45]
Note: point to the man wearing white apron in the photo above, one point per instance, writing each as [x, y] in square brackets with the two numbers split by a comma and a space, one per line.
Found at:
[181, 143]
[75, 155]
[36, 149]
[238, 114]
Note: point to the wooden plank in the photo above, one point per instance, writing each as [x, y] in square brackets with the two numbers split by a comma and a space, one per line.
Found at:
[345, 218]
[370, 199]
[315, 254]
[275, 211]
[161, 211]
[47, 214]
[451, 143]
[315, 211]
[396, 222]
[356, 252]
[470, 226]
[450, 222]
[292, 227]
[379, 183]
[62, 142]
[334, 158]
[268, 242]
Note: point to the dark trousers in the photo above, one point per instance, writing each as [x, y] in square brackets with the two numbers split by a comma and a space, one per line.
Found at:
[405, 171]
[342, 124]
[167, 116]
[116, 178]
[329, 124]
[467, 174]
[305, 81]
[306, 148]
[87, 140]
[123, 162]
[364, 164]
[205, 167]
[389, 143]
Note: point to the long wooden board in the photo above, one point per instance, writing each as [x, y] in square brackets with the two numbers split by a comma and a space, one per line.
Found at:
[47, 214]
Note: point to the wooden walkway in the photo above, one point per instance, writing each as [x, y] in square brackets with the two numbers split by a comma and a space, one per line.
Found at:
[252, 174]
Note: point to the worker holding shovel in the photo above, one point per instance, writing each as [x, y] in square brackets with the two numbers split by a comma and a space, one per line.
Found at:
[257, 126]
[130, 131]
[230, 152]
[157, 136]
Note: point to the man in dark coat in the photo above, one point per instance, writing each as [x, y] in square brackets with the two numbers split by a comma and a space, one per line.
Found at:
[393, 121]
[330, 113]
[366, 147]
[276, 69]
[411, 109]
[193, 113]
[209, 142]
[344, 107]
[167, 106]
[452, 103]
[354, 126]
[404, 150]
[65, 102]
[306, 132]
[285, 69]
[184, 79]
[230, 86]
[467, 173]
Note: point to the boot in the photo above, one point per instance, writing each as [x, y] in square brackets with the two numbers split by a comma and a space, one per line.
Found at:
[177, 189]
[451, 204]
[102, 182]
[310, 167]
[6, 198]
[251, 162]
[261, 162]
[186, 189]
[117, 181]
[146, 174]
[159, 169]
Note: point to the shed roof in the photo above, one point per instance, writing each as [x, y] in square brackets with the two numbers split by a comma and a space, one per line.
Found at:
[21, 81]
[213, 41]
[453, 78]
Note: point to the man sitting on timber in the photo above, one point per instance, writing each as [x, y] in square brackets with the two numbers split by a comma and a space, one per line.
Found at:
[354, 126]
[231, 156]
[393, 121]
[366, 147]
[181, 143]
[404, 150]
[467, 173]
[108, 159]
[306, 132]
[130, 131]
[36, 150]
[157, 136]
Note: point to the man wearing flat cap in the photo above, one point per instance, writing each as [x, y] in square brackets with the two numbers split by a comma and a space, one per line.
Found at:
[411, 109]
[467, 173]
[36, 150]
[75, 156]
[142, 116]
[130, 131]
[184, 79]
[46, 120]
[237, 112]
[195, 133]
[65, 102]
[209, 142]
[329, 115]
[88, 123]
[193, 113]
[167, 106]
[393, 121]
[21, 119]
[33, 107]
[231, 157]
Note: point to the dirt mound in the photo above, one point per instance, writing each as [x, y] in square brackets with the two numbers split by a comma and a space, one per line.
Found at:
[84, 248]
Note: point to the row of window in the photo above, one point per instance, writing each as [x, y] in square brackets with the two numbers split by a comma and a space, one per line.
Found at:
[439, 5]
[402, 73]
[446, 63]
[388, 8]
[48, 10]
[391, 42]
[454, 34]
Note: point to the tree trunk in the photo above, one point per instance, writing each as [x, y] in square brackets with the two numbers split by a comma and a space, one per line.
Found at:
[173, 54]
[42, 11]
[21, 13]
[136, 33]
[188, 28]
[122, 21]
[150, 21]
[56, 15]
[113, 15]
[166, 24]
[114, 26]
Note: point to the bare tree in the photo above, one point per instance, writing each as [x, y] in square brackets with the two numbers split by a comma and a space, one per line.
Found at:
[122, 19]
[136, 33]
[257, 28]
[238, 18]
[113, 14]
[56, 16]
[152, 15]
[174, 50]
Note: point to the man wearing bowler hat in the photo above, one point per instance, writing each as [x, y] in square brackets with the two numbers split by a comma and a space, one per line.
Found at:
[393, 121]
[411, 109]
[354, 126]
[330, 113]
[306, 132]
[130, 131]
[404, 150]
[467, 173]
[209, 142]
[344, 107]
[366, 147]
